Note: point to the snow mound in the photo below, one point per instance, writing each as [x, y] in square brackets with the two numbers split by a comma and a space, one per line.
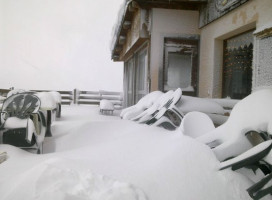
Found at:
[48, 101]
[57, 179]
[189, 104]
[106, 105]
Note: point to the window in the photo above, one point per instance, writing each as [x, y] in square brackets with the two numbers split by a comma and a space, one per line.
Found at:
[141, 76]
[237, 66]
[180, 65]
[136, 76]
[130, 81]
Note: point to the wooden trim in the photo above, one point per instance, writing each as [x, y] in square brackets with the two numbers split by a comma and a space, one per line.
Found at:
[267, 32]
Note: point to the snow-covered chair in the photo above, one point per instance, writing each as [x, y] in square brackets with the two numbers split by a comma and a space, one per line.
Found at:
[48, 106]
[196, 124]
[22, 124]
[144, 103]
[15, 91]
[252, 113]
[106, 106]
[57, 97]
[2, 99]
[158, 103]
[208, 106]
[259, 159]
[168, 115]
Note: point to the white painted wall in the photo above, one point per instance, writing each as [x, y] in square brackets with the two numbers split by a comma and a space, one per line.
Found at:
[168, 23]
[58, 44]
[251, 15]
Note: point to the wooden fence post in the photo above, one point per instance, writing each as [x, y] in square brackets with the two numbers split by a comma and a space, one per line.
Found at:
[75, 95]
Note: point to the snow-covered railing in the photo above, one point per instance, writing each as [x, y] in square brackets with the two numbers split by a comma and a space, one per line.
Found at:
[67, 97]
[82, 97]
[227, 105]
[94, 97]
[4, 92]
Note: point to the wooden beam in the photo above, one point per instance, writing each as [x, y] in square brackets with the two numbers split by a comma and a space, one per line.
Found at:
[118, 48]
[126, 24]
[122, 39]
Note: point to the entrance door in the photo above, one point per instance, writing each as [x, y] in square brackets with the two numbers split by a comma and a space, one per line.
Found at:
[181, 65]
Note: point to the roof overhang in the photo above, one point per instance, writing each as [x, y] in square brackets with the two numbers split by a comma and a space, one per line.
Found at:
[127, 14]
[171, 4]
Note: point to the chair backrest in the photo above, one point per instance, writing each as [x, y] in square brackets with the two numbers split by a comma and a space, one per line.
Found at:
[21, 105]
[195, 124]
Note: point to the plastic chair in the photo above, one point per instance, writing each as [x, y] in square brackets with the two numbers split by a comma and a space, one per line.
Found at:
[143, 104]
[252, 113]
[168, 115]
[196, 124]
[258, 157]
[22, 124]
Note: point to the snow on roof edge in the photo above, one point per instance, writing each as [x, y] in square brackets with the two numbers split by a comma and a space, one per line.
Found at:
[263, 28]
[117, 27]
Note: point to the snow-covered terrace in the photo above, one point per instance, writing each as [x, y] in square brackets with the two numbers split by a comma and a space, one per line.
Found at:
[94, 156]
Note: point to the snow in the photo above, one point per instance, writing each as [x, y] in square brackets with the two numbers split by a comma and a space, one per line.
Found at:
[116, 28]
[56, 95]
[2, 98]
[158, 103]
[146, 102]
[48, 100]
[106, 105]
[15, 91]
[226, 102]
[199, 104]
[54, 180]
[91, 155]
[15, 122]
[263, 28]
[204, 124]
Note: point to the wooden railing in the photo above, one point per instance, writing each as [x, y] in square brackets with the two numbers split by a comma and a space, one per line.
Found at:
[83, 97]
[228, 105]
[94, 97]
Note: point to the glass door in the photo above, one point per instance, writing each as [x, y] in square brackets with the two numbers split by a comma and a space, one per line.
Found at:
[141, 75]
[181, 65]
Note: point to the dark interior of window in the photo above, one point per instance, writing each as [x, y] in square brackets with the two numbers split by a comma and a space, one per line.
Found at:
[237, 66]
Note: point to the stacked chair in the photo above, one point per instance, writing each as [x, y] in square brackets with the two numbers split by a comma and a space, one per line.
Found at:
[244, 141]
[257, 158]
[157, 109]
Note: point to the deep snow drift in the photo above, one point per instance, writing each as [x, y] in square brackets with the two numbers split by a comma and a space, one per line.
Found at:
[92, 156]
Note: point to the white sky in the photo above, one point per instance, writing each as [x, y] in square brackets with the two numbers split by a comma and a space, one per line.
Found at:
[58, 44]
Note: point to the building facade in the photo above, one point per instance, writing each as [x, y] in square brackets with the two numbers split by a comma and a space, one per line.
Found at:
[209, 48]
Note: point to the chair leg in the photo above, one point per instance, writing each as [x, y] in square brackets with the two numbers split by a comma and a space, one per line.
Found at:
[48, 124]
[59, 111]
[257, 191]
[40, 149]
